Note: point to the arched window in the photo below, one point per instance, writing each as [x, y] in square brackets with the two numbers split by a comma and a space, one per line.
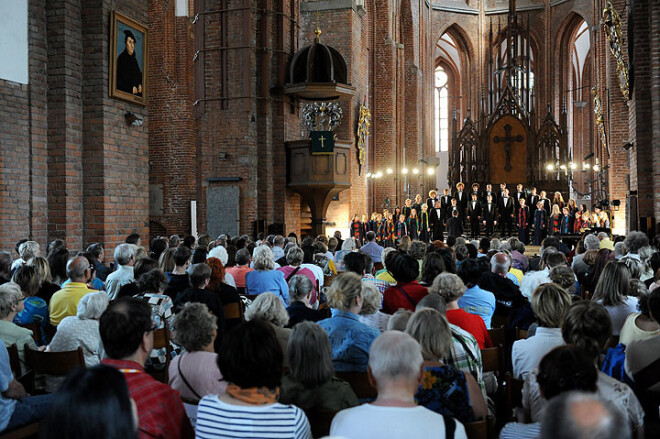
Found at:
[441, 98]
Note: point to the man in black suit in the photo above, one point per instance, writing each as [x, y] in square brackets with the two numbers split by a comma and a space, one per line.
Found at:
[430, 201]
[489, 213]
[474, 214]
[500, 195]
[461, 200]
[445, 204]
[475, 190]
[454, 225]
[436, 219]
[506, 210]
[489, 191]
[520, 193]
[531, 202]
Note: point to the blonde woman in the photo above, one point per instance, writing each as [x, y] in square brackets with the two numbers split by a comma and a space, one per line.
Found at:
[268, 307]
[350, 339]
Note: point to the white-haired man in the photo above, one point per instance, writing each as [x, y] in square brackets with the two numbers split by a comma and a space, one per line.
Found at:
[395, 369]
[591, 242]
[125, 259]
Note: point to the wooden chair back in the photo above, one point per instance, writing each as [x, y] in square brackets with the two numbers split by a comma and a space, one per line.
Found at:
[359, 382]
[476, 429]
[233, 311]
[36, 331]
[54, 363]
[29, 431]
[162, 340]
[498, 336]
[493, 360]
[498, 321]
[14, 360]
[514, 391]
[521, 334]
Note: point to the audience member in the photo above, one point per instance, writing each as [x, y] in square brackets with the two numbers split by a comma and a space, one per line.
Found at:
[17, 408]
[250, 360]
[179, 279]
[550, 303]
[98, 251]
[349, 338]
[58, 260]
[241, 268]
[639, 325]
[576, 415]
[346, 247]
[612, 292]
[5, 267]
[141, 267]
[475, 300]
[64, 303]
[294, 257]
[194, 373]
[264, 277]
[268, 308]
[35, 309]
[310, 383]
[103, 407]
[126, 329]
[11, 303]
[222, 254]
[125, 258]
[450, 288]
[26, 251]
[152, 285]
[300, 292]
[395, 369]
[370, 313]
[371, 249]
[408, 291]
[432, 265]
[46, 286]
[445, 389]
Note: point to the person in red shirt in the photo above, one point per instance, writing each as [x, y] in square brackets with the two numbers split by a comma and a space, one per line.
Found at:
[242, 267]
[450, 287]
[127, 333]
[407, 292]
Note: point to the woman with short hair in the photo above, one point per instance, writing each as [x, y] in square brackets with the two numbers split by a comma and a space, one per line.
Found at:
[451, 288]
[445, 389]
[347, 246]
[264, 277]
[294, 257]
[250, 360]
[612, 291]
[550, 303]
[350, 339]
[226, 292]
[26, 251]
[300, 291]
[268, 308]
[11, 303]
[194, 373]
[310, 382]
[432, 265]
[370, 314]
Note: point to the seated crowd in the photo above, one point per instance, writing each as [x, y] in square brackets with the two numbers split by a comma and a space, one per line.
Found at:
[276, 338]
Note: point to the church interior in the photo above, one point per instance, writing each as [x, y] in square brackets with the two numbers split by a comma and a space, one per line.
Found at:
[563, 95]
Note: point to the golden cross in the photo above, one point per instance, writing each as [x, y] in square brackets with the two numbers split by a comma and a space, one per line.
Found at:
[322, 139]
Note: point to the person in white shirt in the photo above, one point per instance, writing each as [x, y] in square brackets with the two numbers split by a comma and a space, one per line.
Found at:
[125, 257]
[550, 303]
[551, 258]
[395, 369]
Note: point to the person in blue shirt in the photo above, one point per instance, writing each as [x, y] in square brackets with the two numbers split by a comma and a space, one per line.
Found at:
[371, 249]
[350, 339]
[17, 409]
[475, 300]
[264, 277]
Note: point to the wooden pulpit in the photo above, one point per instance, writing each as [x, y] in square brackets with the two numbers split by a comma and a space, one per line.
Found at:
[318, 178]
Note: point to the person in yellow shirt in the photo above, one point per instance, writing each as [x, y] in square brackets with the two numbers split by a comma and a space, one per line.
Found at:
[64, 303]
[384, 274]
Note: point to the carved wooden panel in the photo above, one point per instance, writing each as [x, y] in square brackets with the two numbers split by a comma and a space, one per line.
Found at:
[341, 163]
[508, 151]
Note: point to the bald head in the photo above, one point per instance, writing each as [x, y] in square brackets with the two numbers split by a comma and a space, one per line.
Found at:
[76, 269]
[578, 415]
[500, 263]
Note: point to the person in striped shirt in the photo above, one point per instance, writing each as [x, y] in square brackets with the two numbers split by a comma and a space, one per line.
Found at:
[250, 360]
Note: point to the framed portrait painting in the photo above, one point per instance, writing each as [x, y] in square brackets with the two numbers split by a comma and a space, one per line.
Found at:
[128, 59]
